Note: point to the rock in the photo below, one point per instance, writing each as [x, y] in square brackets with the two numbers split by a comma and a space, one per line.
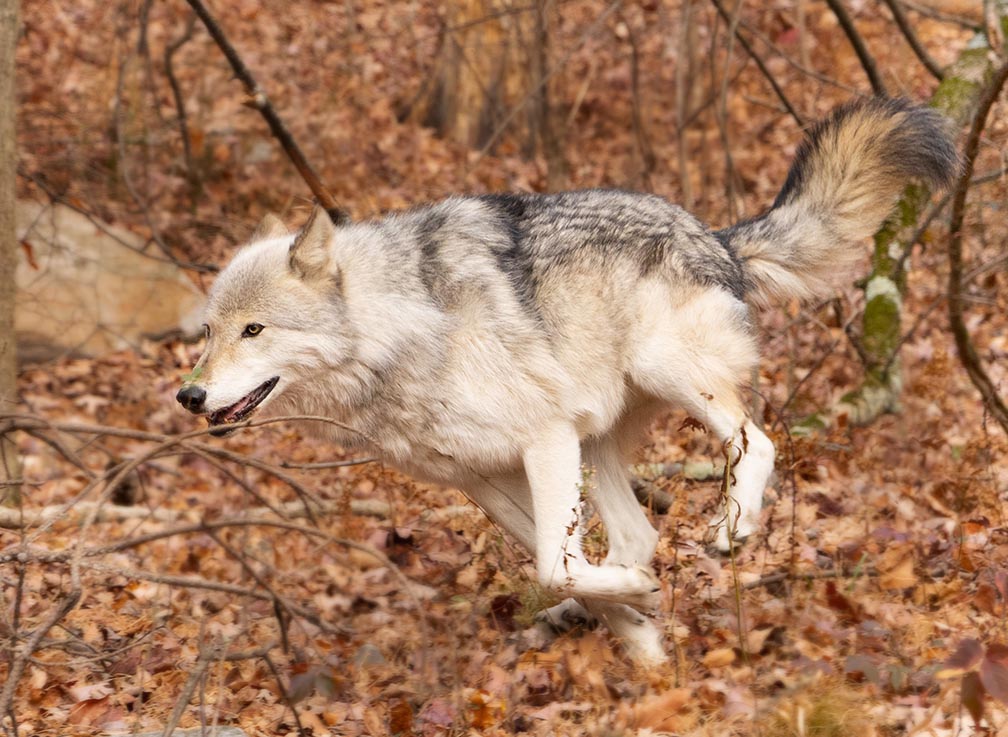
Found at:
[87, 288]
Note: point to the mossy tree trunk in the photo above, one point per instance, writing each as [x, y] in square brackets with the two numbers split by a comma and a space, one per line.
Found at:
[9, 466]
[956, 97]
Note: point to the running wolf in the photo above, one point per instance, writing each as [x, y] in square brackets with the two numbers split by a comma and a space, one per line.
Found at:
[505, 343]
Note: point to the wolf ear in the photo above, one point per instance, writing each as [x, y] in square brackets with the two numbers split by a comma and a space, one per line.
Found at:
[309, 253]
[270, 227]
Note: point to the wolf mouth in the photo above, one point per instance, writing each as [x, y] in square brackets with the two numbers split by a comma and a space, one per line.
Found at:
[244, 406]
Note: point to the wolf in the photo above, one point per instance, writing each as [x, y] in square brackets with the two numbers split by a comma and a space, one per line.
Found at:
[517, 346]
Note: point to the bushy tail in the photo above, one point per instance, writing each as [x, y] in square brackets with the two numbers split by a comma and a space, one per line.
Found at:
[843, 184]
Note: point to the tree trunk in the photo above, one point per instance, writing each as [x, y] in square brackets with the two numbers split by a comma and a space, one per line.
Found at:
[885, 288]
[9, 467]
[493, 75]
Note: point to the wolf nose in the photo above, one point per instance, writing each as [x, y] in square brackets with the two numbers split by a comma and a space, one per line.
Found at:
[191, 397]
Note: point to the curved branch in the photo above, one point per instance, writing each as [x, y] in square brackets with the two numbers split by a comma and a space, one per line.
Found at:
[967, 353]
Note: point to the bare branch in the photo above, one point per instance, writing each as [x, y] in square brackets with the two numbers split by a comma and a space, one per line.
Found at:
[867, 61]
[943, 16]
[911, 37]
[967, 352]
[760, 64]
[192, 174]
[258, 100]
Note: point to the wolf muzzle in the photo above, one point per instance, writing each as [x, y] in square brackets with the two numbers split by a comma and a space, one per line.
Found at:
[192, 398]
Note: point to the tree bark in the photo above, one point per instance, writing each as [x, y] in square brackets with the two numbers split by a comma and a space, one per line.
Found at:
[9, 466]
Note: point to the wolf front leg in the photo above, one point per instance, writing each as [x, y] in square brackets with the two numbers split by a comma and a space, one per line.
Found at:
[553, 467]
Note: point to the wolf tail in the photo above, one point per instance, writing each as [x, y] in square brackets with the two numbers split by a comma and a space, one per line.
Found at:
[842, 185]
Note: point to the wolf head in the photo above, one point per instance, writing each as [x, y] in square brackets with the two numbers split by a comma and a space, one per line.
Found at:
[269, 323]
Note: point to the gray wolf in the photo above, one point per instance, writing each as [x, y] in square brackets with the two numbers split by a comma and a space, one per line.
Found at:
[516, 346]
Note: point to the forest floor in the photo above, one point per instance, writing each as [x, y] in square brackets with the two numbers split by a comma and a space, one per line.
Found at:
[352, 600]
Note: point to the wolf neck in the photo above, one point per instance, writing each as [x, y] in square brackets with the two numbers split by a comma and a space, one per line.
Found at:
[394, 335]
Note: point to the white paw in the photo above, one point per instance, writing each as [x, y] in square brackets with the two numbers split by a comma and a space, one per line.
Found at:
[644, 591]
[635, 585]
[644, 646]
[569, 614]
[638, 634]
[743, 528]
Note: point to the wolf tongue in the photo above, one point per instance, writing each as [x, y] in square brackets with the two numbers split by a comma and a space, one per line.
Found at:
[230, 413]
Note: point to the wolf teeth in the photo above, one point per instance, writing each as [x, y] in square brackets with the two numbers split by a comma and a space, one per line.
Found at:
[244, 406]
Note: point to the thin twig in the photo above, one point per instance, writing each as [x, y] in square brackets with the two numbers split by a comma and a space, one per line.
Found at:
[864, 56]
[195, 675]
[124, 169]
[327, 464]
[911, 37]
[56, 198]
[192, 173]
[285, 694]
[944, 16]
[760, 64]
[259, 101]
[781, 576]
[967, 352]
[800, 66]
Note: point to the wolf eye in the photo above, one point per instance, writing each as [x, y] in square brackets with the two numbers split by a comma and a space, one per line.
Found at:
[251, 330]
[206, 331]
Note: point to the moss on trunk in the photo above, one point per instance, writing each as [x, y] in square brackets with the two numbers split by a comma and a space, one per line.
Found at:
[881, 324]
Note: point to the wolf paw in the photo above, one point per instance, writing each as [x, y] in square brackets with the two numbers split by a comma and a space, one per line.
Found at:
[744, 527]
[644, 593]
[568, 615]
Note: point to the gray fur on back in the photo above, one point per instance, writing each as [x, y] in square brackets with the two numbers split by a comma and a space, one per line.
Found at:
[531, 237]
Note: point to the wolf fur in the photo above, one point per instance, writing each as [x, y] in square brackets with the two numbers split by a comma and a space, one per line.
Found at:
[517, 346]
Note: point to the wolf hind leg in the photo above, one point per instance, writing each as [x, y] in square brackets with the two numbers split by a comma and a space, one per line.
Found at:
[698, 357]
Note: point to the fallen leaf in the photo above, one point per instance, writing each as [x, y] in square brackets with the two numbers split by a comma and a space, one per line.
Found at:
[719, 657]
[967, 657]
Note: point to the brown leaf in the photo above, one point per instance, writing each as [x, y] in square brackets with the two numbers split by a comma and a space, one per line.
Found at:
[994, 672]
[89, 711]
[719, 657]
[756, 638]
[1001, 583]
[972, 695]
[29, 253]
[438, 712]
[896, 567]
[485, 711]
[400, 717]
[849, 611]
[966, 658]
[503, 608]
[664, 712]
